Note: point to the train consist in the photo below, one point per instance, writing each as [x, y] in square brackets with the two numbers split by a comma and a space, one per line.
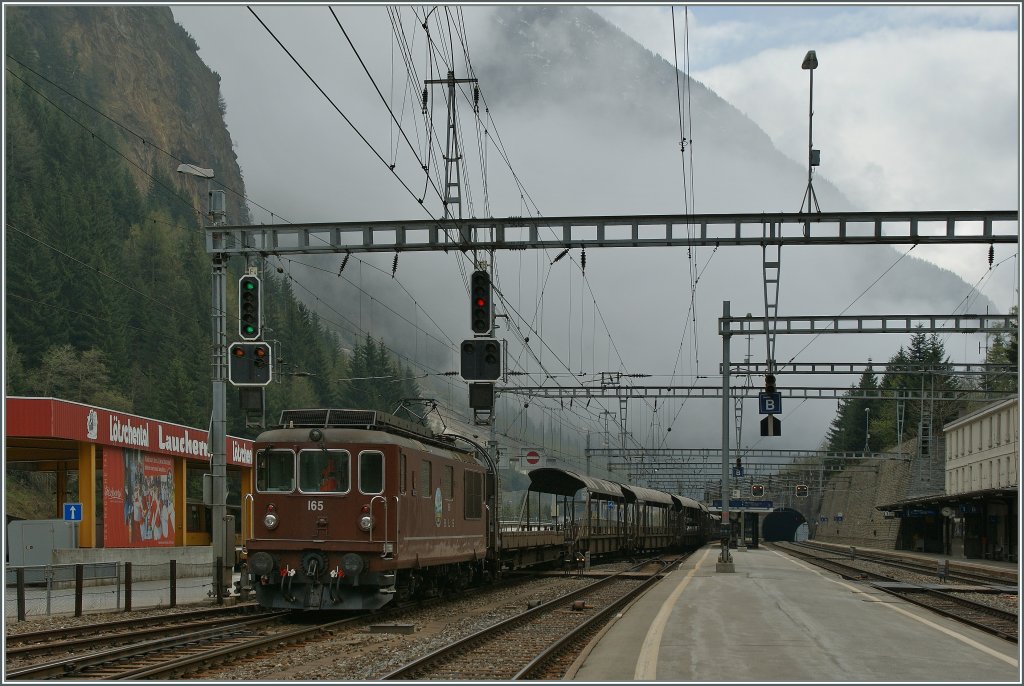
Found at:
[354, 508]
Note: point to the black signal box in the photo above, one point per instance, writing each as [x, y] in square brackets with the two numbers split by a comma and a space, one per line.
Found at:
[481, 359]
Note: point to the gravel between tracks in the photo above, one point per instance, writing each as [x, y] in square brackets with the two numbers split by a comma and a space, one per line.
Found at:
[362, 656]
[358, 654]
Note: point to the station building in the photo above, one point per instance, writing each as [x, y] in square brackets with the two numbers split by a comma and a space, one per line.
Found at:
[977, 515]
[139, 480]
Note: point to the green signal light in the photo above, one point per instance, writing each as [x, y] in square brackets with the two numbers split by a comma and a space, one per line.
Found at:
[249, 285]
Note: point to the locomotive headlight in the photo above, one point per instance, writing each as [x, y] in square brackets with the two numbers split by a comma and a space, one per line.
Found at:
[270, 519]
[366, 522]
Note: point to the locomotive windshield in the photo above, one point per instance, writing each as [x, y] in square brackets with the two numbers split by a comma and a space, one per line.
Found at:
[371, 472]
[324, 471]
[275, 470]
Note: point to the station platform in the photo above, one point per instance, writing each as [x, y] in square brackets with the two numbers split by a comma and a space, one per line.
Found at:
[777, 619]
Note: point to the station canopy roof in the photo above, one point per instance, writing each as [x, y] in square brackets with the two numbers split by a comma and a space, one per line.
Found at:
[943, 499]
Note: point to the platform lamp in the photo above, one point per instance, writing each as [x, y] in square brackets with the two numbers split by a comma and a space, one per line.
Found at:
[218, 419]
[810, 63]
[867, 428]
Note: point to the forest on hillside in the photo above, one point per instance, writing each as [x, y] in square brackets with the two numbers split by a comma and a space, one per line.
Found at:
[107, 277]
[920, 367]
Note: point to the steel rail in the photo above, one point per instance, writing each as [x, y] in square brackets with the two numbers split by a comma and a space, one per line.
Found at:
[113, 638]
[406, 671]
[551, 653]
[52, 634]
[72, 668]
[913, 595]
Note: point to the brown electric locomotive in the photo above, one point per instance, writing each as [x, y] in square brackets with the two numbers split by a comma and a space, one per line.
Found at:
[353, 508]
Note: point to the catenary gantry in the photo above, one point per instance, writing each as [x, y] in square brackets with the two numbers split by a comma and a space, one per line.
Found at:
[519, 233]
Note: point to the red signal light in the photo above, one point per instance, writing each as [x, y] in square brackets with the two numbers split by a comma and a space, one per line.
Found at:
[239, 351]
[260, 352]
[480, 301]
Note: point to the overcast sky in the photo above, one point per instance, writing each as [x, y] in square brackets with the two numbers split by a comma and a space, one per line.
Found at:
[916, 108]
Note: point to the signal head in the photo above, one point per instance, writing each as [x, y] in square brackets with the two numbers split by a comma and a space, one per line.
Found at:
[480, 302]
[249, 307]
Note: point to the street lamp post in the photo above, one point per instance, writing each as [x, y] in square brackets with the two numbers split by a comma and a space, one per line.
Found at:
[867, 424]
[810, 63]
[218, 419]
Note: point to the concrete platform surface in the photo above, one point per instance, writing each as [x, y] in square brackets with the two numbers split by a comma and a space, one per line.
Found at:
[777, 619]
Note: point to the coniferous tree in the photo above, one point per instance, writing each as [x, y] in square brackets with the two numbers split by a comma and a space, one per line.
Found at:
[1002, 350]
[919, 372]
[848, 431]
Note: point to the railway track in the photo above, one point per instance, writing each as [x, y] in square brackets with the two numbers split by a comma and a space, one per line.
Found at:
[992, 620]
[70, 639]
[184, 643]
[984, 617]
[166, 657]
[539, 643]
[957, 572]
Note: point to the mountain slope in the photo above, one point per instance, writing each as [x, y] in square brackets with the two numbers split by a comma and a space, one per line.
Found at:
[588, 120]
[108, 283]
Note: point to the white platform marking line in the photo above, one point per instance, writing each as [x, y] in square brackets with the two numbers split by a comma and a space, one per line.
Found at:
[949, 632]
[647, 660]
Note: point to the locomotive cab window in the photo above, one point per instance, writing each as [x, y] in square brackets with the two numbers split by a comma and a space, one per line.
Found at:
[371, 472]
[324, 471]
[275, 471]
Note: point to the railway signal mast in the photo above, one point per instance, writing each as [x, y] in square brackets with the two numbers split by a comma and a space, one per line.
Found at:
[481, 355]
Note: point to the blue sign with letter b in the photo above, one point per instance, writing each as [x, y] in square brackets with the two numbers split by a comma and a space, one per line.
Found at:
[769, 403]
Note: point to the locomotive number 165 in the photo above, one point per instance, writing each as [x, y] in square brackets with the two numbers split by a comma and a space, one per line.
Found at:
[315, 505]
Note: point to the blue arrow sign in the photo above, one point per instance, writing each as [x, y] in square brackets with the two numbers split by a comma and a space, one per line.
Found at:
[72, 512]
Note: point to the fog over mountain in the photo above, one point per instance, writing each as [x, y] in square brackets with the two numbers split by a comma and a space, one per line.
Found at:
[589, 122]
